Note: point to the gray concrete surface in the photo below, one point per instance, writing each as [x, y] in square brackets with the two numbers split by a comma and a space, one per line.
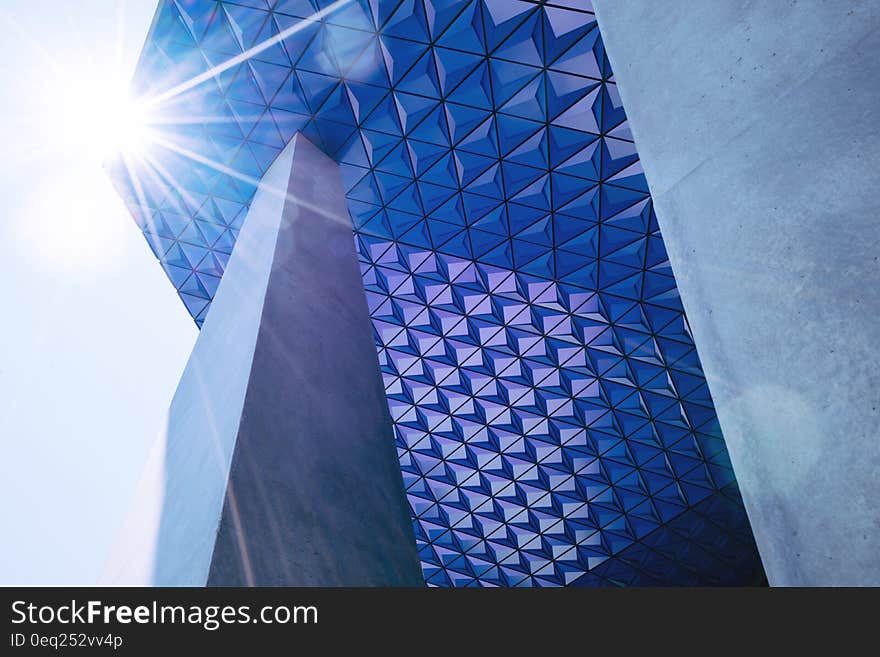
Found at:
[757, 125]
[169, 533]
[315, 495]
[277, 465]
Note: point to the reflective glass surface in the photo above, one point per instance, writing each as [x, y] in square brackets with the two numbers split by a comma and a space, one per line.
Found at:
[552, 419]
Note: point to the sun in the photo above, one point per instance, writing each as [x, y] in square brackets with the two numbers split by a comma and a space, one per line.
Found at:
[126, 128]
[81, 117]
[96, 118]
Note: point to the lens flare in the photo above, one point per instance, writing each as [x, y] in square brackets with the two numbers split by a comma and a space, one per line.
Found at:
[97, 119]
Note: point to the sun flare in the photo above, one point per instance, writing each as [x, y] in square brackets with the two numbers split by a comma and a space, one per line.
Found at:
[98, 119]
[82, 117]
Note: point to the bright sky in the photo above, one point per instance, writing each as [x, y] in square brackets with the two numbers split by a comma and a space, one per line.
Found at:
[92, 336]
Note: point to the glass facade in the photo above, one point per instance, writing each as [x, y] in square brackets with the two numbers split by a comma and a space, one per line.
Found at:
[552, 420]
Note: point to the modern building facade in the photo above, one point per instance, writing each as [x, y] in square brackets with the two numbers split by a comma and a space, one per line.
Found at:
[552, 422]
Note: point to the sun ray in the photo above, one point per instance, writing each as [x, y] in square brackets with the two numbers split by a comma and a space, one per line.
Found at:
[248, 179]
[178, 119]
[120, 32]
[214, 71]
[142, 204]
[33, 43]
[161, 173]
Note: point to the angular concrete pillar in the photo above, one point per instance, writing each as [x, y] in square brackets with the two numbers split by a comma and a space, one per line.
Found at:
[757, 125]
[278, 464]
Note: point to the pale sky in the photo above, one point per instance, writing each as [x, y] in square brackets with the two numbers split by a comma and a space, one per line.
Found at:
[92, 335]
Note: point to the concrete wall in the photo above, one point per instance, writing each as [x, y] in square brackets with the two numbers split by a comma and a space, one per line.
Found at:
[315, 495]
[169, 534]
[278, 465]
[758, 125]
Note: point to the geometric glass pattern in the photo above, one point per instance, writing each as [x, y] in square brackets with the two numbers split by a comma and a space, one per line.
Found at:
[551, 417]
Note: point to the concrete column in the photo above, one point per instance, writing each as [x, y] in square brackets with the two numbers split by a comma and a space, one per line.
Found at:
[278, 465]
[757, 125]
